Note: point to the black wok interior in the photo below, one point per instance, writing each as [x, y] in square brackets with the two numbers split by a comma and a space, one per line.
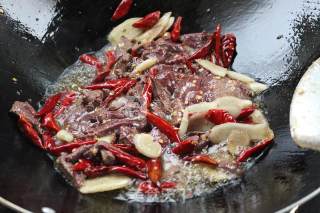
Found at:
[277, 41]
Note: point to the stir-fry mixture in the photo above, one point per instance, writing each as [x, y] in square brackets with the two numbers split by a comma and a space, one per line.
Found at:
[157, 113]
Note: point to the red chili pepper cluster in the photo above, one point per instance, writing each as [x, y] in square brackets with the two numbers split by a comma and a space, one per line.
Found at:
[148, 21]
[118, 86]
[50, 123]
[66, 100]
[49, 104]
[104, 71]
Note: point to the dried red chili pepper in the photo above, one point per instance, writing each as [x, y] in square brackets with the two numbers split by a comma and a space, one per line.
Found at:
[57, 150]
[176, 29]
[147, 94]
[30, 132]
[185, 147]
[66, 100]
[96, 171]
[147, 21]
[252, 150]
[228, 49]
[154, 168]
[153, 72]
[49, 104]
[189, 65]
[128, 171]
[202, 158]
[102, 72]
[110, 84]
[130, 148]
[124, 157]
[89, 59]
[119, 90]
[148, 187]
[47, 140]
[81, 165]
[217, 45]
[203, 51]
[245, 113]
[102, 170]
[168, 185]
[122, 9]
[163, 126]
[219, 116]
[50, 123]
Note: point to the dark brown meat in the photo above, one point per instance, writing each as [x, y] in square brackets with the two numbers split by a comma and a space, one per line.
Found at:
[126, 134]
[174, 90]
[166, 51]
[26, 110]
[101, 120]
[65, 162]
[195, 41]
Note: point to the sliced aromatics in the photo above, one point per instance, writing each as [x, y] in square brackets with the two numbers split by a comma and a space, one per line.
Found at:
[156, 30]
[257, 87]
[146, 64]
[107, 138]
[214, 69]
[236, 140]
[214, 174]
[64, 135]
[168, 26]
[145, 145]
[240, 77]
[105, 183]
[230, 104]
[125, 29]
[221, 132]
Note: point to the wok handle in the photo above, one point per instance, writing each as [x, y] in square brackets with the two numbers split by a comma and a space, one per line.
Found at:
[294, 206]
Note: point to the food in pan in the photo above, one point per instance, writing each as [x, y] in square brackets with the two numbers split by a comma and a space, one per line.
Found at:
[158, 114]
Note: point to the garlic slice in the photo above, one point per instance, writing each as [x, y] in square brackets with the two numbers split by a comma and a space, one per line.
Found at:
[236, 139]
[257, 87]
[156, 30]
[64, 135]
[214, 69]
[105, 183]
[145, 145]
[221, 132]
[240, 77]
[146, 64]
[169, 24]
[107, 138]
[231, 104]
[125, 29]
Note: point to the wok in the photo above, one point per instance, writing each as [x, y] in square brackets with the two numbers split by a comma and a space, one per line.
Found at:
[277, 40]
